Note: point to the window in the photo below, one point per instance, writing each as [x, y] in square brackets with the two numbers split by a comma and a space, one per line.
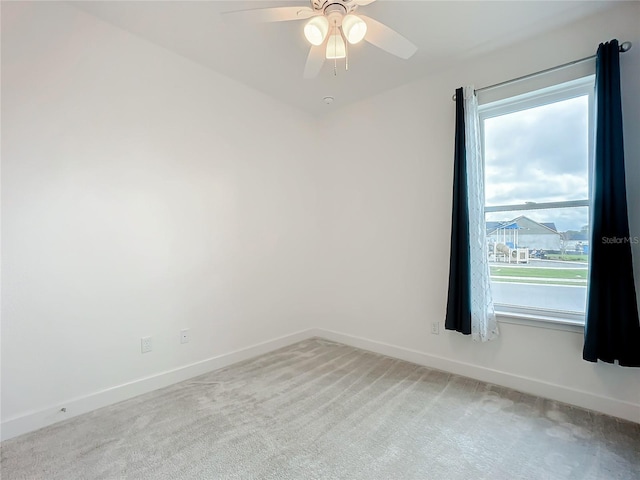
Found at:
[537, 150]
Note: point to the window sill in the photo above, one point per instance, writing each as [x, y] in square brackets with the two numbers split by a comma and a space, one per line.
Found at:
[541, 321]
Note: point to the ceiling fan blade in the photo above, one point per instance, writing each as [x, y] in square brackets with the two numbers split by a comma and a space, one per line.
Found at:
[315, 61]
[362, 3]
[275, 14]
[387, 39]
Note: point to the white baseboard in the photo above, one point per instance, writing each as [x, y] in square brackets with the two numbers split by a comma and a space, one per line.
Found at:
[31, 421]
[610, 406]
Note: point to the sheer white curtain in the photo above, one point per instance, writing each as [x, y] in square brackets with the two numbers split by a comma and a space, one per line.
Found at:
[484, 326]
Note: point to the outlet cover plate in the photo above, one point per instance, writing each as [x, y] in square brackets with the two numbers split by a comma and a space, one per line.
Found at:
[146, 345]
[184, 336]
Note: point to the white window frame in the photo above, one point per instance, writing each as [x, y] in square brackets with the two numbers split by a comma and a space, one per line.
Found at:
[554, 319]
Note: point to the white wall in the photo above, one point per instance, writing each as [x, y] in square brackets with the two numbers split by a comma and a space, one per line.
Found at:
[390, 217]
[141, 194]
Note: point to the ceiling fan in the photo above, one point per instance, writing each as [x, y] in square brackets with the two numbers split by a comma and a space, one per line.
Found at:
[331, 26]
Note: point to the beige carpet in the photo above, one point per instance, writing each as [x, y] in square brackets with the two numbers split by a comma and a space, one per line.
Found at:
[319, 409]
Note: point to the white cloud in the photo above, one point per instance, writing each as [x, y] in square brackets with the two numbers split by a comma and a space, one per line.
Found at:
[540, 155]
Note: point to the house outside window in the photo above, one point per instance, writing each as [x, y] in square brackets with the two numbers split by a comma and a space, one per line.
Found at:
[537, 149]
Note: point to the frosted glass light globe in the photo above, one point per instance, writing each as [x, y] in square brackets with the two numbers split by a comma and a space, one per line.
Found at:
[336, 47]
[315, 31]
[354, 28]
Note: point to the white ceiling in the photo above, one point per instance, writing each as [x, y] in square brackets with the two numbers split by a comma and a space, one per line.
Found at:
[271, 57]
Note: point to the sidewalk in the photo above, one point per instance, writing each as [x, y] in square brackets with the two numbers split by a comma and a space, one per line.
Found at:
[541, 280]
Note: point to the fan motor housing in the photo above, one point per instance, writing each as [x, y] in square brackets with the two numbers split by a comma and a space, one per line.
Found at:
[328, 7]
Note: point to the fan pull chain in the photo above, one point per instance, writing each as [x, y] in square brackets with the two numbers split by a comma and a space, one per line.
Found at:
[346, 55]
[335, 50]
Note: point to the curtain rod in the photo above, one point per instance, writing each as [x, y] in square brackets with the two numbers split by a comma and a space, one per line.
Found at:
[624, 47]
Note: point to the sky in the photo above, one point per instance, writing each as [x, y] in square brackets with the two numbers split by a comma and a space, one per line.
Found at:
[539, 155]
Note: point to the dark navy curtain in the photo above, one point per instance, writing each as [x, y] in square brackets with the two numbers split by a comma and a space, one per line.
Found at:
[459, 301]
[612, 330]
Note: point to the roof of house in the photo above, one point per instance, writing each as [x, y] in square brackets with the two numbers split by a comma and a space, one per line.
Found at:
[491, 226]
[522, 223]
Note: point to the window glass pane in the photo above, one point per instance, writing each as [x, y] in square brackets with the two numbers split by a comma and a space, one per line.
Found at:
[539, 258]
[538, 154]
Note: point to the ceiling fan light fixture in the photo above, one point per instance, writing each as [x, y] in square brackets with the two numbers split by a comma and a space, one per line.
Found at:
[315, 31]
[354, 28]
[336, 47]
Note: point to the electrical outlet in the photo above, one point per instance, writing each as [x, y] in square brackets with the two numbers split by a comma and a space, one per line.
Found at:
[184, 336]
[435, 328]
[146, 345]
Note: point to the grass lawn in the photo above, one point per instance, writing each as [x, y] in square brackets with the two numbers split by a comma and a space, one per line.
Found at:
[568, 257]
[539, 281]
[536, 272]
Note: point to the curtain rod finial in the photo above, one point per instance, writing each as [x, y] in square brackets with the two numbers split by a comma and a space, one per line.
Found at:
[625, 46]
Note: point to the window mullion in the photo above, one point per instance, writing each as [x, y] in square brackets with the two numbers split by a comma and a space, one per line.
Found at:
[537, 206]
